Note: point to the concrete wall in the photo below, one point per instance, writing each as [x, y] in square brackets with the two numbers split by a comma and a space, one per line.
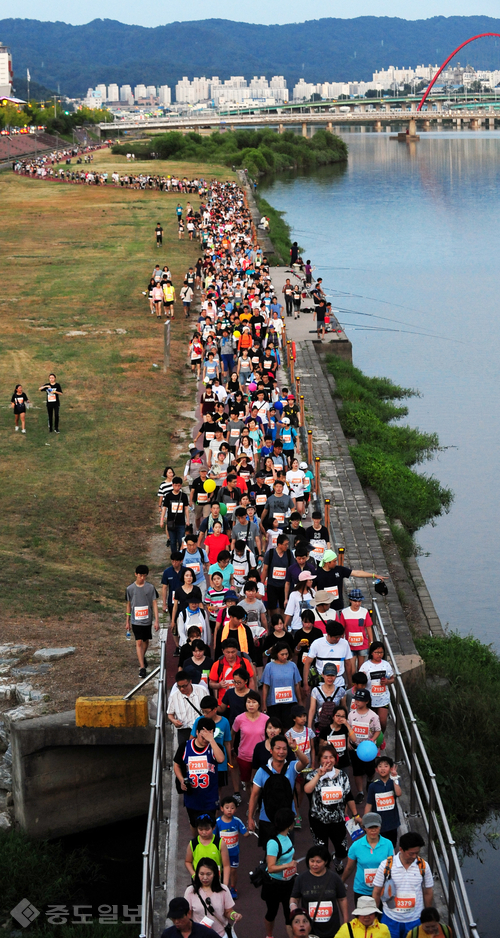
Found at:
[67, 778]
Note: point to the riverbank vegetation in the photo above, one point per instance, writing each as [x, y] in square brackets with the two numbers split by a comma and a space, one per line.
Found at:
[385, 453]
[258, 151]
[458, 711]
[279, 231]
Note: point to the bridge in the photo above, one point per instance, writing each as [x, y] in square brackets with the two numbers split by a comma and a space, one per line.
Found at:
[378, 114]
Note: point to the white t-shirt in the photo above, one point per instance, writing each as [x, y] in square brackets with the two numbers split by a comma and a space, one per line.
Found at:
[380, 694]
[409, 884]
[296, 604]
[295, 479]
[323, 650]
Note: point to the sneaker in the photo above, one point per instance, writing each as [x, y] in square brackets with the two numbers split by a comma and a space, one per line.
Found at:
[16, 429]
[360, 797]
[23, 431]
[177, 653]
[339, 866]
[234, 892]
[237, 798]
[143, 672]
[56, 431]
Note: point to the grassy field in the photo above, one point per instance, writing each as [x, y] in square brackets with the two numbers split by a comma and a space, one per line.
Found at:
[78, 509]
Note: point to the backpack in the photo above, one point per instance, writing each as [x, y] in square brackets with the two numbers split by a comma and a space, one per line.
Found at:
[259, 875]
[446, 931]
[325, 714]
[388, 888]
[277, 793]
[242, 655]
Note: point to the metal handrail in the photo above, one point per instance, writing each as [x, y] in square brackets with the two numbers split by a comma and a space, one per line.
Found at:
[150, 854]
[424, 793]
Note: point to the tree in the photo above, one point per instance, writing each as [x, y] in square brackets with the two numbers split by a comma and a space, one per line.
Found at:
[11, 116]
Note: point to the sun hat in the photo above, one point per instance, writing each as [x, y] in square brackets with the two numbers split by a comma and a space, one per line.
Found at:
[323, 598]
[328, 556]
[306, 575]
[371, 819]
[366, 906]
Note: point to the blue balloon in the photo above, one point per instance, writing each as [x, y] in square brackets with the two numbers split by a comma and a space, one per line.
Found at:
[366, 751]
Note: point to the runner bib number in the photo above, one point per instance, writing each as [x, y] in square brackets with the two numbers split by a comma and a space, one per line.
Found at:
[338, 743]
[230, 838]
[260, 499]
[197, 765]
[334, 590]
[51, 398]
[280, 517]
[356, 639]
[287, 874]
[369, 876]
[141, 612]
[405, 902]
[324, 913]
[361, 730]
[332, 795]
[385, 802]
[279, 573]
[195, 567]
[377, 690]
[283, 695]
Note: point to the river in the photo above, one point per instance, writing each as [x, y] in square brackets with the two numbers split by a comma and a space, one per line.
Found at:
[409, 236]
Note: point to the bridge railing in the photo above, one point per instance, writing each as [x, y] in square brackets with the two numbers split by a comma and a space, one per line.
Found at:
[425, 799]
[151, 852]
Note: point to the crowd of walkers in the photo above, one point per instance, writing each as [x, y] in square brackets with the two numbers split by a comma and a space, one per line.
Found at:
[282, 691]
[45, 165]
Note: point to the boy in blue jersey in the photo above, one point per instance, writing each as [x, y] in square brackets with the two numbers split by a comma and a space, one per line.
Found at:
[222, 733]
[230, 827]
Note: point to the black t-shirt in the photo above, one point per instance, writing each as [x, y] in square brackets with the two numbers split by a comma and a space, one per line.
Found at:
[271, 640]
[329, 887]
[49, 390]
[183, 600]
[310, 637]
[234, 703]
[200, 497]
[320, 535]
[175, 505]
[206, 526]
[19, 401]
[261, 756]
[277, 567]
[326, 579]
[208, 429]
[194, 670]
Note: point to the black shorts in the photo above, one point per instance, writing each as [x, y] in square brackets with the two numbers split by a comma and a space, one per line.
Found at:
[194, 815]
[276, 597]
[142, 633]
[222, 779]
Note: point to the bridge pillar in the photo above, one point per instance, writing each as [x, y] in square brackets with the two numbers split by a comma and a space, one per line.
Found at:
[412, 128]
[427, 125]
[491, 122]
[459, 121]
[378, 126]
[439, 106]
[329, 127]
[413, 106]
[304, 129]
[280, 128]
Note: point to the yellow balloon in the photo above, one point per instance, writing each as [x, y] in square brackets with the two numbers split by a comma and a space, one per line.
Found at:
[209, 485]
[237, 334]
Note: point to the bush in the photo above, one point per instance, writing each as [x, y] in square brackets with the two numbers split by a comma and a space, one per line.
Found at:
[386, 452]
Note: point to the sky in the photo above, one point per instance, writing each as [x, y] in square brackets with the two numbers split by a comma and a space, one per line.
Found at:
[151, 13]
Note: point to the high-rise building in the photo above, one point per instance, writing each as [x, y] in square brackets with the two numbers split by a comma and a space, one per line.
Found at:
[6, 73]
[151, 91]
[164, 95]
[126, 94]
[191, 92]
[139, 91]
[102, 91]
[113, 93]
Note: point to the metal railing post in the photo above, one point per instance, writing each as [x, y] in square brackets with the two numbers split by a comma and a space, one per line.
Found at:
[310, 447]
[297, 387]
[166, 345]
[317, 462]
[327, 513]
[432, 827]
[398, 748]
[302, 415]
[413, 766]
[288, 352]
[292, 370]
[340, 556]
[451, 879]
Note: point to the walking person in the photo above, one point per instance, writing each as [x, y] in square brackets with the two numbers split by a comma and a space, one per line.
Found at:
[142, 613]
[18, 402]
[321, 892]
[159, 234]
[330, 792]
[281, 870]
[411, 886]
[53, 390]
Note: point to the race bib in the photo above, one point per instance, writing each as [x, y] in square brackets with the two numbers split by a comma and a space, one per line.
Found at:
[385, 801]
[210, 435]
[207, 921]
[324, 913]
[231, 506]
[283, 695]
[405, 902]
[235, 434]
[52, 398]
[240, 571]
[369, 876]
[377, 690]
[176, 507]
[361, 730]
[332, 795]
[280, 517]
[338, 743]
[230, 838]
[334, 590]
[202, 498]
[141, 612]
[195, 567]
[260, 499]
[269, 480]
[279, 573]
[355, 639]
[287, 874]
[197, 765]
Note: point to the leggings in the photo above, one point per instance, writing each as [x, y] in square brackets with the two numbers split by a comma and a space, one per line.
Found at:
[288, 305]
[53, 412]
[335, 831]
[277, 892]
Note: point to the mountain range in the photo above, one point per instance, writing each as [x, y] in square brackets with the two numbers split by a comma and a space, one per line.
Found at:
[74, 58]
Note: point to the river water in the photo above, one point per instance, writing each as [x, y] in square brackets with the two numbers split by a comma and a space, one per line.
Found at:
[409, 235]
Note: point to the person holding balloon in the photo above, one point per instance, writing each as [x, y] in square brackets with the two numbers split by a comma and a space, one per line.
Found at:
[364, 730]
[330, 792]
